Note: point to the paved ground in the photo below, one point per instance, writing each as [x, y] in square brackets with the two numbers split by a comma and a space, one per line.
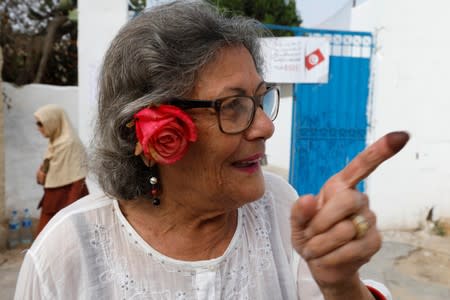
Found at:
[413, 265]
[10, 262]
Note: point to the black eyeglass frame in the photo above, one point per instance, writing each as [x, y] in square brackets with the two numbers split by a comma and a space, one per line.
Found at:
[184, 103]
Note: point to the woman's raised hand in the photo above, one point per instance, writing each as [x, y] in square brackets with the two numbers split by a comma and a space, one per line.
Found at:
[324, 232]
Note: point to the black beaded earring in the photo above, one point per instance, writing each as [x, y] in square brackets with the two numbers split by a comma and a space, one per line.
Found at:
[155, 185]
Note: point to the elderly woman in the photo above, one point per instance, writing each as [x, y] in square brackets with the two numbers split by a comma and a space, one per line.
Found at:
[187, 212]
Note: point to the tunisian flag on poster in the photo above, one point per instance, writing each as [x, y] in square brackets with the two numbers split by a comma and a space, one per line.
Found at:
[313, 59]
[296, 59]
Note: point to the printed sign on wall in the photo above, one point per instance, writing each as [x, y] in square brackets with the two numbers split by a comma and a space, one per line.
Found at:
[296, 59]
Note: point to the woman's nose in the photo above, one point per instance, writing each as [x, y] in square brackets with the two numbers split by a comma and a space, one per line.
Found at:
[261, 127]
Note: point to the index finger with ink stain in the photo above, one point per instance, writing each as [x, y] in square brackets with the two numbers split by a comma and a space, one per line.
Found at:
[368, 160]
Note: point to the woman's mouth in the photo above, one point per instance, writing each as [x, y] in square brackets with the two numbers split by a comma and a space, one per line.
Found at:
[250, 164]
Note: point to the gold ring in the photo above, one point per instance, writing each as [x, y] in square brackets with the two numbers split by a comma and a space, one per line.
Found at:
[361, 226]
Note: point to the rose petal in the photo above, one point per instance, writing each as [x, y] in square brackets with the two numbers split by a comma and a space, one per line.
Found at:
[164, 133]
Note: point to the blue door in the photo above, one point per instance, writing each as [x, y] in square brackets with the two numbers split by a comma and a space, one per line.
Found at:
[329, 121]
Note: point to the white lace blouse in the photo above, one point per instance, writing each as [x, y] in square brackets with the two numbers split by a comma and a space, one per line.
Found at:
[90, 251]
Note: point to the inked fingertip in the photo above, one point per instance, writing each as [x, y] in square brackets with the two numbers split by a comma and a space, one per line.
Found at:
[397, 140]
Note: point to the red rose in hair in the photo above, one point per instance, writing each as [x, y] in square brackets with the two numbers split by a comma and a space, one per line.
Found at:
[164, 132]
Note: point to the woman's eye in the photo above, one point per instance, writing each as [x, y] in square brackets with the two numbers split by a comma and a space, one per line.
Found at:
[234, 104]
[236, 108]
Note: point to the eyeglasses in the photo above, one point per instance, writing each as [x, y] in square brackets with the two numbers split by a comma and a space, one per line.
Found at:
[236, 113]
[39, 124]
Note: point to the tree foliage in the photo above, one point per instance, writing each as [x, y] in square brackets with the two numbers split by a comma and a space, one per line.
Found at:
[280, 12]
[136, 5]
[39, 41]
[39, 37]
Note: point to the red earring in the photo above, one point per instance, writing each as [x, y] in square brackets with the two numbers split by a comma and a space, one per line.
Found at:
[154, 190]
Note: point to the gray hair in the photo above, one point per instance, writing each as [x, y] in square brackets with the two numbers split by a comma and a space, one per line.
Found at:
[156, 56]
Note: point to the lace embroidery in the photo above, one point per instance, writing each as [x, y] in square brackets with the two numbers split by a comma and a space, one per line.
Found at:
[251, 254]
[116, 267]
[259, 252]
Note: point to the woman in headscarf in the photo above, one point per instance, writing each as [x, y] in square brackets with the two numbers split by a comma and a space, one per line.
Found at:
[64, 168]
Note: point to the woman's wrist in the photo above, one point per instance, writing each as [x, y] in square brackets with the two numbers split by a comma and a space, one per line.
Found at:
[353, 289]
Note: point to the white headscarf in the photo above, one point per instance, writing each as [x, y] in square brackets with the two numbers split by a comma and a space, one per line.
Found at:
[65, 152]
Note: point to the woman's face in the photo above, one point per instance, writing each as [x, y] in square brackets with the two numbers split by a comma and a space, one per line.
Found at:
[41, 128]
[221, 171]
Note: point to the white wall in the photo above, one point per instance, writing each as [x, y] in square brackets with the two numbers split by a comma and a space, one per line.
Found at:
[278, 146]
[412, 71]
[98, 22]
[325, 14]
[24, 145]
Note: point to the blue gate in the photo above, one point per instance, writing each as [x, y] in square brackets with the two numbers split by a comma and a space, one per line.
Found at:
[329, 121]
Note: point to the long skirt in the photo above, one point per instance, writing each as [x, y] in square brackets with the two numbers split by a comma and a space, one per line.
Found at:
[55, 199]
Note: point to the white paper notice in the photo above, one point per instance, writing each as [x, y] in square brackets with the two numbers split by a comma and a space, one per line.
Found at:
[296, 59]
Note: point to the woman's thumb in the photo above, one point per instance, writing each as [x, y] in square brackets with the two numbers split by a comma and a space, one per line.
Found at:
[303, 211]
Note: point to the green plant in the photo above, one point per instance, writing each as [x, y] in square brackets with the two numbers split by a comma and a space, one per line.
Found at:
[43, 37]
[439, 228]
[277, 12]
